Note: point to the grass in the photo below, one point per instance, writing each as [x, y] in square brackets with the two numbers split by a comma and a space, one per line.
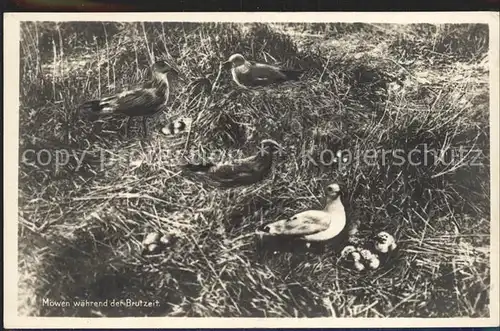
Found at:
[383, 87]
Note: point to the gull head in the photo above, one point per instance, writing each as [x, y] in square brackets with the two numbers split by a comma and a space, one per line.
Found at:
[333, 191]
[235, 60]
[163, 71]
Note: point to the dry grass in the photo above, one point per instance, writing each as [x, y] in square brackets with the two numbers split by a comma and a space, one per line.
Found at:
[366, 87]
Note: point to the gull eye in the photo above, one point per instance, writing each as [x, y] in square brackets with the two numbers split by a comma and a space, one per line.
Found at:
[334, 188]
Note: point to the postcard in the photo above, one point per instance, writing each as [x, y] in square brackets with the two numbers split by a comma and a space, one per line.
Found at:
[251, 169]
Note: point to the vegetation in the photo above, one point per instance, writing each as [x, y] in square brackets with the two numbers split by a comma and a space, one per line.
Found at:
[366, 87]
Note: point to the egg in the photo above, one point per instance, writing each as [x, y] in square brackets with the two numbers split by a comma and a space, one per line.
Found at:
[155, 242]
[356, 257]
[374, 262]
[371, 258]
[359, 266]
[151, 238]
[177, 127]
[347, 251]
[152, 248]
[366, 254]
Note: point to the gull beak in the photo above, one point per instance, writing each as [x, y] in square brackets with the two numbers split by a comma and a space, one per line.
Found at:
[226, 64]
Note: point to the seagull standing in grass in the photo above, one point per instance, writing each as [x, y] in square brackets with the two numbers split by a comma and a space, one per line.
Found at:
[250, 74]
[313, 225]
[145, 101]
[238, 172]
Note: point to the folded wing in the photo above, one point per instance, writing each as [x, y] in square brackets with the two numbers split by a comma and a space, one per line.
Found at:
[237, 169]
[240, 172]
[138, 102]
[304, 223]
[267, 73]
[130, 103]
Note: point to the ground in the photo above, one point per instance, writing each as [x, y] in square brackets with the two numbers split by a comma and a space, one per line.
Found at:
[366, 87]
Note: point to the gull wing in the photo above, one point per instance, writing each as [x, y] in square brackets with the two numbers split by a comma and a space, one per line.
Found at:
[304, 223]
[133, 102]
[239, 168]
[266, 72]
[257, 74]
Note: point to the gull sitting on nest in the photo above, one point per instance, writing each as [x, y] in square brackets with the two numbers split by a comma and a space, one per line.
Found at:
[313, 225]
[250, 74]
[238, 172]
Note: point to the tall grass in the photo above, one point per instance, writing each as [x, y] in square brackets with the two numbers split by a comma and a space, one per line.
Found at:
[366, 87]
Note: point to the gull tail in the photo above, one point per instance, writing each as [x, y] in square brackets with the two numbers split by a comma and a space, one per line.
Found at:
[272, 228]
[98, 107]
[197, 167]
[292, 74]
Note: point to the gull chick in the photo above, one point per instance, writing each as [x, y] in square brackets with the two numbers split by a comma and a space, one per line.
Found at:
[145, 101]
[250, 74]
[313, 225]
[177, 127]
[384, 242]
[238, 172]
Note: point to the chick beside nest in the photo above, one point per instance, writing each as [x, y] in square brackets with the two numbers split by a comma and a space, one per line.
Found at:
[384, 242]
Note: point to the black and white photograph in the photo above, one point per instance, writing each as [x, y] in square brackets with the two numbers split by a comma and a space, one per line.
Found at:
[219, 166]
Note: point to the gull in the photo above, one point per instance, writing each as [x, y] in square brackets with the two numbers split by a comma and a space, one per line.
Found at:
[313, 225]
[249, 74]
[244, 171]
[145, 101]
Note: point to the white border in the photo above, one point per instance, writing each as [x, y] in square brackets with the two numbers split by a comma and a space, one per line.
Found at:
[11, 129]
